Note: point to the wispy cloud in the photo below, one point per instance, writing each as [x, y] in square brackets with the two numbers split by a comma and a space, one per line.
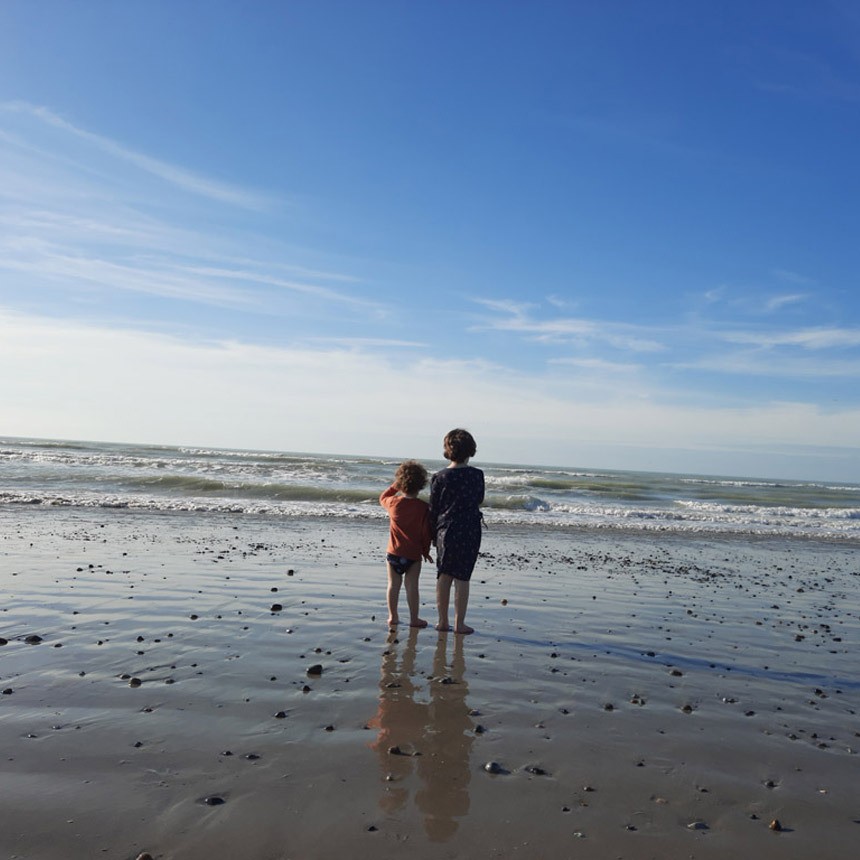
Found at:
[180, 177]
[776, 303]
[793, 277]
[597, 364]
[772, 366]
[803, 75]
[514, 317]
[75, 226]
[364, 343]
[809, 338]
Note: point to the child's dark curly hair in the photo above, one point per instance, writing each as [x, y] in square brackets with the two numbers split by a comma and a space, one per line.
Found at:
[459, 446]
[410, 477]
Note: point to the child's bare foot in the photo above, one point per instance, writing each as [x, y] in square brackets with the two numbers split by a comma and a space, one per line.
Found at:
[443, 628]
[464, 630]
[418, 622]
[393, 622]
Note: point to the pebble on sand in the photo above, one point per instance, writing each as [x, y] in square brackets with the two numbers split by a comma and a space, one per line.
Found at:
[316, 669]
[775, 825]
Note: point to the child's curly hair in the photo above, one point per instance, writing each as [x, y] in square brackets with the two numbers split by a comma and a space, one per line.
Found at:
[410, 477]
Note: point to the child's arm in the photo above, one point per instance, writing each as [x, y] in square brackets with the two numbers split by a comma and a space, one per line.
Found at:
[434, 507]
[387, 496]
[426, 536]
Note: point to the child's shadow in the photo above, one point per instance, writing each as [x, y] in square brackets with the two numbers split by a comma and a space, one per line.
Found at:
[432, 739]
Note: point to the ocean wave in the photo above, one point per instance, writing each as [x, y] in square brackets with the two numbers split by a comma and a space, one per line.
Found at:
[538, 513]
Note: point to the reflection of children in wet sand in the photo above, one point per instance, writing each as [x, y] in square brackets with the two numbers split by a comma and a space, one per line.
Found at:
[432, 738]
[444, 765]
[408, 539]
[400, 721]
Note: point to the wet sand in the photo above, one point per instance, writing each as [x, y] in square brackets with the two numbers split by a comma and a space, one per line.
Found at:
[640, 695]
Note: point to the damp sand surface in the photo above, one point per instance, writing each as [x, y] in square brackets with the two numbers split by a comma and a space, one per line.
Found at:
[214, 686]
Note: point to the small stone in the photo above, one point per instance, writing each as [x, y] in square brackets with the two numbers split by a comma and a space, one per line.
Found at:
[252, 756]
[677, 673]
[3, 641]
[8, 691]
[775, 825]
[213, 800]
[494, 767]
[144, 856]
[316, 669]
[276, 607]
[329, 728]
[372, 828]
[697, 825]
[609, 707]
[280, 715]
[33, 639]
[135, 682]
[535, 770]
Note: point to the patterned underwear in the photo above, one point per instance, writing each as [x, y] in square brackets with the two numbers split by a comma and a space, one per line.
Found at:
[399, 563]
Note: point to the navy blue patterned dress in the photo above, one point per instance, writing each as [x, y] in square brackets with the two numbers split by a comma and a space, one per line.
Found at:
[456, 495]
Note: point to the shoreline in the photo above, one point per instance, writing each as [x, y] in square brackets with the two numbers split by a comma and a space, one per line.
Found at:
[643, 694]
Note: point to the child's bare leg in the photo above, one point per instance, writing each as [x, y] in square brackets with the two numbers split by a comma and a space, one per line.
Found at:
[411, 582]
[461, 603]
[443, 597]
[394, 581]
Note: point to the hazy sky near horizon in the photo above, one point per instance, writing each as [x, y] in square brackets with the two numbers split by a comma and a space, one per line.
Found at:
[609, 234]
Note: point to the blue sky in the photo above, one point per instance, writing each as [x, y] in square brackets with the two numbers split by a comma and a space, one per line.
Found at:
[608, 234]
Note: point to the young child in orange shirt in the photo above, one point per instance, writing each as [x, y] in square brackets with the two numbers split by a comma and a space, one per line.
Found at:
[408, 538]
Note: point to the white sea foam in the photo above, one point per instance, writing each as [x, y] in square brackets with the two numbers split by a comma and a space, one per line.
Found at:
[277, 484]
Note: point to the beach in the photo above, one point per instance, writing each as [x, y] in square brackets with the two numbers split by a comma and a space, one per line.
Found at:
[215, 685]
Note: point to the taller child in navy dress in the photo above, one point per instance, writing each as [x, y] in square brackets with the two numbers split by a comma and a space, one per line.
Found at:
[456, 494]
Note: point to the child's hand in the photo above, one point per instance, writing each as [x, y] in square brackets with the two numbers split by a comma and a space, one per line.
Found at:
[428, 558]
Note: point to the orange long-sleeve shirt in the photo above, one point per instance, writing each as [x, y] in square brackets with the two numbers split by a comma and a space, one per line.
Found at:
[409, 532]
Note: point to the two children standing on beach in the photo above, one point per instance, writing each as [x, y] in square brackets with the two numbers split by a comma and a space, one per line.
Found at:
[452, 522]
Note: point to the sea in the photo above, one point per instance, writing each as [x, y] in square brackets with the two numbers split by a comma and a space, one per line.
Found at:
[56, 473]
